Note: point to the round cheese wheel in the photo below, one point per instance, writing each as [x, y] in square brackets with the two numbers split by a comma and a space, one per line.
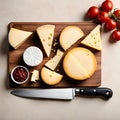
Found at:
[33, 56]
[79, 63]
[69, 36]
[50, 77]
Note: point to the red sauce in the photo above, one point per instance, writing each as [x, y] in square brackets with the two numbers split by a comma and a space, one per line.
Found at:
[20, 74]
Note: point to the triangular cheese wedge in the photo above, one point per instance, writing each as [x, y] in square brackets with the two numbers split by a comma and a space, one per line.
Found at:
[35, 76]
[50, 77]
[17, 37]
[93, 39]
[46, 33]
[52, 64]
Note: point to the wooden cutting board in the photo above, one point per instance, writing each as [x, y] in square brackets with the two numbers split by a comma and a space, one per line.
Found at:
[15, 56]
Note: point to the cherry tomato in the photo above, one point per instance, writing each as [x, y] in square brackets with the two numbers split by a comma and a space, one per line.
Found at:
[107, 6]
[102, 17]
[116, 35]
[117, 13]
[117, 16]
[110, 24]
[93, 12]
[118, 24]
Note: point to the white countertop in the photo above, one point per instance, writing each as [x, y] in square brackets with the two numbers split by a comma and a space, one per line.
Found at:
[81, 108]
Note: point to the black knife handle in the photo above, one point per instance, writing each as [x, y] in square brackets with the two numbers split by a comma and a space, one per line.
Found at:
[105, 92]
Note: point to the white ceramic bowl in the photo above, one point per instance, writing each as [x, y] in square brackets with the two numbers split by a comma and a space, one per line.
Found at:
[13, 72]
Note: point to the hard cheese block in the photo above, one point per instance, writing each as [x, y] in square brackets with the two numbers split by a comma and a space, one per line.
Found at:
[17, 37]
[79, 63]
[50, 77]
[35, 76]
[52, 64]
[69, 36]
[46, 33]
[93, 39]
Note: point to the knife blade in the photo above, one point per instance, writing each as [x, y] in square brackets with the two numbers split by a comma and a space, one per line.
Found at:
[62, 93]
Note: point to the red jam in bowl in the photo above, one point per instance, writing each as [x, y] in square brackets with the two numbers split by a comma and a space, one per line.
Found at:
[19, 74]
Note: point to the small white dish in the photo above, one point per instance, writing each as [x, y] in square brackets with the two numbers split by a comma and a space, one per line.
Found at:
[19, 74]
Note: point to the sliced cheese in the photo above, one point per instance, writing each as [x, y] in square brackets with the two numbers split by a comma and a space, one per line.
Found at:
[46, 33]
[69, 36]
[52, 64]
[35, 76]
[17, 37]
[93, 39]
[79, 63]
[32, 56]
[50, 77]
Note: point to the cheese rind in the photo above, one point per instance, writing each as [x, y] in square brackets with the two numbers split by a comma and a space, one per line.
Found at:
[93, 39]
[17, 37]
[69, 36]
[52, 63]
[35, 76]
[46, 34]
[79, 63]
[32, 56]
[50, 77]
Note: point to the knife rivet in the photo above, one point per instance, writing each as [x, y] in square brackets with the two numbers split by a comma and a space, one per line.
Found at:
[94, 90]
[82, 90]
[107, 93]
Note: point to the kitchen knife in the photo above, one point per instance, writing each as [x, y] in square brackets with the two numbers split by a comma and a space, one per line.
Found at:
[63, 93]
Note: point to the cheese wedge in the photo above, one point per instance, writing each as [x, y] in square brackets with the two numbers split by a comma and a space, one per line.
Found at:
[17, 37]
[79, 63]
[35, 76]
[69, 36]
[50, 77]
[52, 64]
[46, 33]
[93, 39]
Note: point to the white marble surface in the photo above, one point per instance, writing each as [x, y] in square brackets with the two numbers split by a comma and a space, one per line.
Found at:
[16, 108]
